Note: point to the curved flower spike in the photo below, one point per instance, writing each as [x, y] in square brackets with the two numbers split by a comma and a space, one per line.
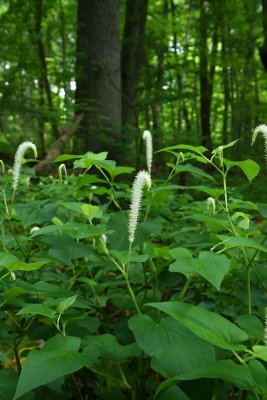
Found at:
[260, 129]
[142, 179]
[211, 205]
[21, 150]
[149, 149]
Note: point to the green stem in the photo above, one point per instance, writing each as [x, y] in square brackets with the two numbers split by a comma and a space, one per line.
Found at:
[186, 285]
[125, 274]
[77, 387]
[123, 377]
[118, 381]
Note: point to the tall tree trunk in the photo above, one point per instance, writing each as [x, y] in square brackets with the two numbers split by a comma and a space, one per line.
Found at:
[206, 75]
[131, 58]
[98, 79]
[157, 108]
[263, 48]
[44, 73]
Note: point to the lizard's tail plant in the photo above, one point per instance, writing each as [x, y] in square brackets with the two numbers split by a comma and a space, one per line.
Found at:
[142, 179]
[2, 167]
[21, 150]
[149, 149]
[62, 168]
[261, 129]
[211, 206]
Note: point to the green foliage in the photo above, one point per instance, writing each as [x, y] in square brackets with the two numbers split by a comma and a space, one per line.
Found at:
[179, 310]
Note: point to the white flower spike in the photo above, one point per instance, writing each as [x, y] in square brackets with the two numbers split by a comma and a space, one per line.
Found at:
[149, 149]
[142, 179]
[211, 205]
[21, 150]
[261, 129]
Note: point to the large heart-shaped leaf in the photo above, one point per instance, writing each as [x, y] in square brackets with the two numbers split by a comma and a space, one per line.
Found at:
[205, 324]
[172, 347]
[59, 357]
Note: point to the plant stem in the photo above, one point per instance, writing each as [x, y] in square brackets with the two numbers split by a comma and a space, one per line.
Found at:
[186, 285]
[125, 274]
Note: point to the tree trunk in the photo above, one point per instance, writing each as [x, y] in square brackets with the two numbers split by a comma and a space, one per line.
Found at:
[206, 76]
[44, 74]
[263, 49]
[131, 57]
[98, 81]
[45, 166]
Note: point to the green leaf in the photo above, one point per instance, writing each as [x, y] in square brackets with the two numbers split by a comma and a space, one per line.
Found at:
[123, 256]
[193, 170]
[238, 375]
[205, 324]
[34, 214]
[172, 347]
[82, 231]
[252, 325]
[8, 383]
[249, 167]
[196, 149]
[7, 258]
[184, 261]
[37, 309]
[121, 170]
[259, 374]
[46, 230]
[216, 193]
[91, 211]
[66, 303]
[225, 146]
[22, 266]
[108, 347]
[65, 157]
[231, 242]
[213, 267]
[59, 357]
[262, 209]
[90, 159]
[260, 352]
[14, 292]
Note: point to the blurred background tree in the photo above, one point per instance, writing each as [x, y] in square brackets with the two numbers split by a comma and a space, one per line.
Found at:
[192, 71]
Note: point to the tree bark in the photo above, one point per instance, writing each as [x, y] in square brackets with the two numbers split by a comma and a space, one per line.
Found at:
[45, 166]
[44, 73]
[263, 48]
[98, 82]
[131, 57]
[206, 75]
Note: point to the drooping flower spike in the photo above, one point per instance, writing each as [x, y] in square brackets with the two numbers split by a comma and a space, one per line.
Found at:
[142, 179]
[261, 129]
[149, 149]
[211, 205]
[21, 150]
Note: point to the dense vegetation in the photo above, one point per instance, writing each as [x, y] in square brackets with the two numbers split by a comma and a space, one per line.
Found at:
[94, 308]
[127, 273]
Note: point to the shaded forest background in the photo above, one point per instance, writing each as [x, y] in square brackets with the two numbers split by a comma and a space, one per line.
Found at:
[92, 75]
